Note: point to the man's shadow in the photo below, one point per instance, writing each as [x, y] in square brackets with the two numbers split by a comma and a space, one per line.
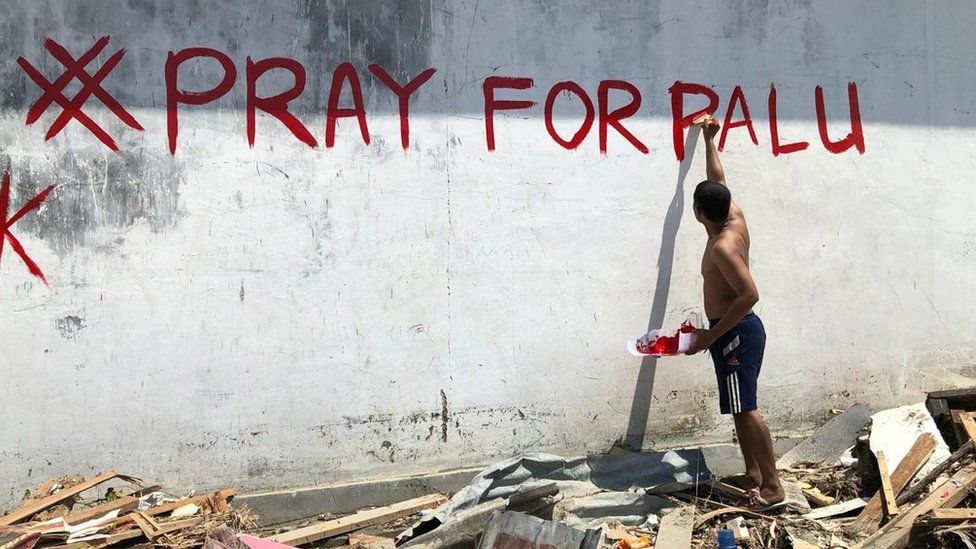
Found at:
[643, 392]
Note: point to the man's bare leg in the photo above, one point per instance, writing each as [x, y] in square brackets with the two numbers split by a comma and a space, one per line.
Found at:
[753, 475]
[754, 434]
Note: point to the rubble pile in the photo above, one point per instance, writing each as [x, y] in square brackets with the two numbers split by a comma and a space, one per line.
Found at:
[896, 478]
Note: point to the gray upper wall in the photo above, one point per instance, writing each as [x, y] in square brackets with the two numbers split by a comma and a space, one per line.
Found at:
[906, 56]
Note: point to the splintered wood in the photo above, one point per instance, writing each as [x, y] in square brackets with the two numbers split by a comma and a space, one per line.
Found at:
[119, 519]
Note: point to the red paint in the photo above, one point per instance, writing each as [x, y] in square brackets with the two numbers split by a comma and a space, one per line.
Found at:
[737, 97]
[342, 73]
[581, 133]
[403, 94]
[614, 117]
[855, 138]
[663, 345]
[780, 148]
[276, 105]
[175, 96]
[679, 121]
[489, 86]
[90, 85]
[7, 222]
[50, 94]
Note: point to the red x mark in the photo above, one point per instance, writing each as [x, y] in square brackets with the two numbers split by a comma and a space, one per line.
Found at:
[91, 85]
[5, 224]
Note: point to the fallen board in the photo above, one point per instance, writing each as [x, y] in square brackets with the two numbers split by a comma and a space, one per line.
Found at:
[702, 519]
[829, 441]
[894, 432]
[887, 494]
[948, 516]
[31, 508]
[894, 535]
[124, 504]
[870, 518]
[836, 509]
[676, 527]
[362, 519]
[924, 482]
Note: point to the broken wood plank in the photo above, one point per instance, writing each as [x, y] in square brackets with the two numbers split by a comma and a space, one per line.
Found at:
[702, 519]
[894, 535]
[362, 519]
[728, 489]
[145, 490]
[148, 527]
[836, 509]
[870, 518]
[174, 505]
[818, 498]
[829, 441]
[113, 539]
[123, 504]
[676, 527]
[948, 516]
[954, 393]
[928, 479]
[887, 494]
[966, 418]
[31, 508]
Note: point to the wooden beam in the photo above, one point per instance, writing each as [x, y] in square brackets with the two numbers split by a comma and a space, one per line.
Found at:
[894, 535]
[676, 527]
[174, 505]
[869, 519]
[954, 393]
[702, 519]
[935, 473]
[728, 489]
[966, 418]
[948, 516]
[818, 498]
[362, 519]
[31, 508]
[123, 504]
[887, 494]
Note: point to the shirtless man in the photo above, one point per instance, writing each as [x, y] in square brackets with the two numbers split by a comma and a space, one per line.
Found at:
[735, 337]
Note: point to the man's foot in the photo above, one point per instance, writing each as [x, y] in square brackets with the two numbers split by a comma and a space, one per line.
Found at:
[767, 498]
[744, 481]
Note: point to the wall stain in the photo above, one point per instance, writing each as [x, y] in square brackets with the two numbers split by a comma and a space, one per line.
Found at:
[105, 191]
[445, 418]
[69, 326]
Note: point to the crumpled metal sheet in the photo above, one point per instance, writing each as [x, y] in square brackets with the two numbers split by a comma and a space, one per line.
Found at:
[628, 508]
[653, 472]
[512, 529]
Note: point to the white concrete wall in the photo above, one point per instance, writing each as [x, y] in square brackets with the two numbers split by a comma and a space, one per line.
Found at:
[284, 316]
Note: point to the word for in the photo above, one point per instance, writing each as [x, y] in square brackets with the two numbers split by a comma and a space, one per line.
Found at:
[737, 114]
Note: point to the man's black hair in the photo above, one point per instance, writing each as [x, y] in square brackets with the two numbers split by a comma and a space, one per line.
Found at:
[713, 199]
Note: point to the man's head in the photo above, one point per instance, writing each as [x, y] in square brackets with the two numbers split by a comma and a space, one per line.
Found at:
[712, 202]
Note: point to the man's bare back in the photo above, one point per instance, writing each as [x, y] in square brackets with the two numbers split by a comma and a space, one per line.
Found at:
[733, 237]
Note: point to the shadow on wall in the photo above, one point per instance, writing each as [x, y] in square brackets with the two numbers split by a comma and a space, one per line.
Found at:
[644, 389]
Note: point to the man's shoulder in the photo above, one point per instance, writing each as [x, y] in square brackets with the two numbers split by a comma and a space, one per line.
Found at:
[729, 242]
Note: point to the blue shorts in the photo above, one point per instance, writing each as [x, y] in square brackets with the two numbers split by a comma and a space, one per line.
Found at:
[738, 356]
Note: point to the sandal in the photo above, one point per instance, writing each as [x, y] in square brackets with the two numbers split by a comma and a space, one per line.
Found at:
[758, 504]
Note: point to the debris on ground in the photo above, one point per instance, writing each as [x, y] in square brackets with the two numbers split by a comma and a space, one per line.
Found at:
[887, 480]
[57, 516]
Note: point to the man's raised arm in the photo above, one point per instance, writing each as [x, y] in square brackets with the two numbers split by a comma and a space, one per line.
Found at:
[713, 166]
